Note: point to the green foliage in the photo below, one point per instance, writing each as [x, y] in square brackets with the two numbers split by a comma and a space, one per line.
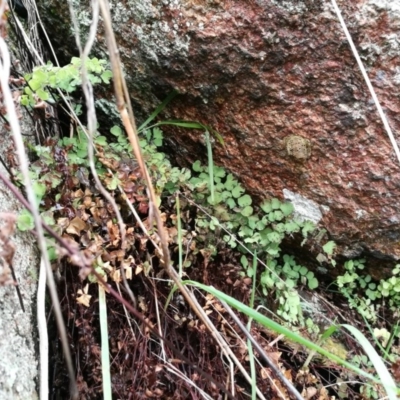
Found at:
[66, 78]
[25, 221]
[329, 247]
[362, 291]
[261, 230]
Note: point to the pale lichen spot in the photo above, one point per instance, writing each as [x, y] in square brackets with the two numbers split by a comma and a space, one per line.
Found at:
[297, 147]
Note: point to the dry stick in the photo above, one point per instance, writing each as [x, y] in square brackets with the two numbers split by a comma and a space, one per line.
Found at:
[23, 160]
[261, 351]
[122, 100]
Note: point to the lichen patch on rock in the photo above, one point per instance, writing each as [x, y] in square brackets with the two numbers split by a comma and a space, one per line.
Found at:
[297, 147]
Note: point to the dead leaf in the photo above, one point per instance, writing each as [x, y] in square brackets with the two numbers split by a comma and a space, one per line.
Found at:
[84, 297]
[309, 392]
[76, 226]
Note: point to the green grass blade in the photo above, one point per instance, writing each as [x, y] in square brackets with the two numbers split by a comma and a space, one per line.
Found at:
[393, 334]
[105, 353]
[157, 110]
[269, 323]
[385, 376]
[181, 123]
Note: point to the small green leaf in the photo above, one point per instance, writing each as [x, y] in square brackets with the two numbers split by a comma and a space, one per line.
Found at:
[219, 172]
[287, 208]
[113, 184]
[275, 204]
[25, 100]
[308, 227]
[274, 237]
[266, 206]
[42, 94]
[244, 261]
[247, 211]
[273, 249]
[280, 227]
[25, 221]
[313, 283]
[245, 231]
[39, 189]
[35, 84]
[51, 251]
[292, 227]
[101, 140]
[106, 76]
[252, 221]
[303, 271]
[197, 166]
[116, 130]
[329, 247]
[260, 225]
[231, 203]
[271, 216]
[244, 200]
[230, 182]
[237, 191]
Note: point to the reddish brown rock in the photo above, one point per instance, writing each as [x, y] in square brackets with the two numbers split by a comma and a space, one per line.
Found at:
[279, 83]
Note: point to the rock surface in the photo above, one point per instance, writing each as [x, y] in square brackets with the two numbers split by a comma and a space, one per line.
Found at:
[278, 81]
[18, 337]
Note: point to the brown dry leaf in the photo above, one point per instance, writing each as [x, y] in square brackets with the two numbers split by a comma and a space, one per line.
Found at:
[78, 194]
[63, 223]
[95, 214]
[127, 265]
[323, 394]
[116, 275]
[142, 303]
[288, 374]
[128, 272]
[172, 234]
[138, 269]
[83, 214]
[85, 239]
[84, 297]
[76, 226]
[309, 392]
[113, 231]
[304, 377]
[275, 356]
[265, 373]
[279, 389]
[117, 255]
[396, 370]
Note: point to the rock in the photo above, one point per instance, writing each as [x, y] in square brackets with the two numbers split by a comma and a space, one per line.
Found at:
[262, 71]
[18, 337]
